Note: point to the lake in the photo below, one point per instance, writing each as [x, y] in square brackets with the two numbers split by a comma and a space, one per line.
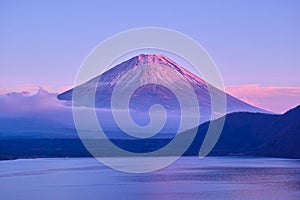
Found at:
[188, 178]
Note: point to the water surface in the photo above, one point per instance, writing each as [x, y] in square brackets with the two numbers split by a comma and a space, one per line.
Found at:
[188, 178]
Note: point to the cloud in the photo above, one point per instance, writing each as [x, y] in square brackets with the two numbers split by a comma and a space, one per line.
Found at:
[272, 98]
[41, 105]
[25, 102]
[32, 89]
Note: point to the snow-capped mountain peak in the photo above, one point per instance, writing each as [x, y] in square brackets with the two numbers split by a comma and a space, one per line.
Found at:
[160, 70]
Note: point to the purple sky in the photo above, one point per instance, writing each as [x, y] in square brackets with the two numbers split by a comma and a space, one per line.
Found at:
[252, 42]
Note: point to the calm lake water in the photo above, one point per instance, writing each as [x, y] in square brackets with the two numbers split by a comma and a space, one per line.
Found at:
[188, 178]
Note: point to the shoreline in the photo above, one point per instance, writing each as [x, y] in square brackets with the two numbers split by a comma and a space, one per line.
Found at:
[211, 156]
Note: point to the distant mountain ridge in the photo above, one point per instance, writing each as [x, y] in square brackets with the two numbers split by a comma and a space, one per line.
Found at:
[244, 134]
[256, 134]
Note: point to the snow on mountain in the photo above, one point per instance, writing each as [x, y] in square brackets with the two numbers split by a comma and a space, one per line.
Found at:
[157, 77]
[143, 69]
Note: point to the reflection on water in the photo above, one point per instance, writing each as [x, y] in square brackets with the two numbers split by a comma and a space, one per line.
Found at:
[188, 178]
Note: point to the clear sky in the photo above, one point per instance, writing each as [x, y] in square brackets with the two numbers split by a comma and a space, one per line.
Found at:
[43, 43]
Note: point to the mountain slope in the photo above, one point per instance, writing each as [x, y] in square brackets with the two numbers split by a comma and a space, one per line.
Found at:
[286, 139]
[143, 68]
[256, 134]
[251, 134]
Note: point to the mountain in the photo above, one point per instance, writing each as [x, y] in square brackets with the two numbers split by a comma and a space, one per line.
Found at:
[244, 133]
[286, 139]
[158, 69]
[256, 134]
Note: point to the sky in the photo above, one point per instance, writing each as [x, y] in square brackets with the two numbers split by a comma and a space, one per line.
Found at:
[255, 44]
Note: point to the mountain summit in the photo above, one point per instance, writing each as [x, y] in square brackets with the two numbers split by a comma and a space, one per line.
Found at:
[143, 69]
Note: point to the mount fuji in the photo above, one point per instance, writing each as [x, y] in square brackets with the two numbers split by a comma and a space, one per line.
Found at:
[143, 69]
